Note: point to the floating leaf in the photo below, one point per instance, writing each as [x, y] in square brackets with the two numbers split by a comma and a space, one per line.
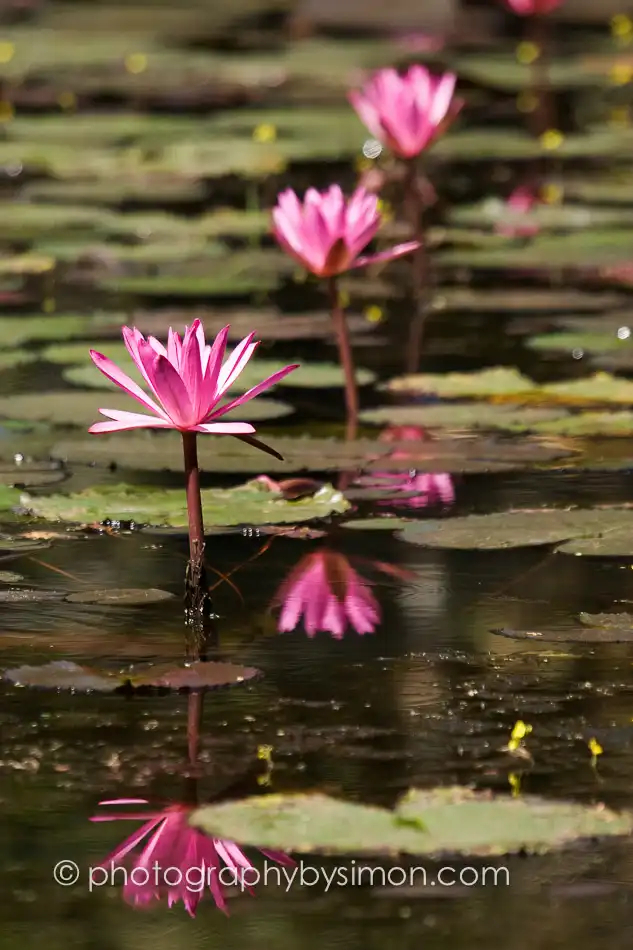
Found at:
[497, 381]
[463, 416]
[10, 577]
[431, 822]
[194, 676]
[249, 504]
[30, 473]
[377, 524]
[529, 300]
[620, 621]
[590, 342]
[16, 331]
[587, 424]
[25, 595]
[494, 212]
[159, 453]
[517, 529]
[581, 635]
[120, 598]
[63, 674]
[598, 388]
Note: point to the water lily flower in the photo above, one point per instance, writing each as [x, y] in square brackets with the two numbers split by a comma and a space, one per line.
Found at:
[187, 381]
[326, 233]
[520, 202]
[532, 7]
[407, 112]
[176, 862]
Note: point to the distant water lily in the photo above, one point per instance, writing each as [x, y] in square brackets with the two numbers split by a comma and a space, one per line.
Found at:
[407, 112]
[176, 862]
[187, 381]
[532, 7]
[520, 202]
[326, 234]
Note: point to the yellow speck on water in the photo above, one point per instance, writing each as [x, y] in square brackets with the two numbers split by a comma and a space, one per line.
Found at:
[7, 52]
[552, 139]
[514, 780]
[552, 194]
[67, 100]
[620, 74]
[526, 101]
[136, 63]
[374, 314]
[595, 748]
[519, 731]
[264, 132]
[264, 752]
[527, 53]
[6, 111]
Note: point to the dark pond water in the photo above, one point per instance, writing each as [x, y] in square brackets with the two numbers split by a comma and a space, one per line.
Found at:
[429, 698]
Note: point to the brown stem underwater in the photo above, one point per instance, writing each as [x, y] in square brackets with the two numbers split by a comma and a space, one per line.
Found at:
[347, 359]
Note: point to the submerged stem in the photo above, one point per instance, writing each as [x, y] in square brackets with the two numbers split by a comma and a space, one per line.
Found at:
[414, 207]
[197, 599]
[346, 357]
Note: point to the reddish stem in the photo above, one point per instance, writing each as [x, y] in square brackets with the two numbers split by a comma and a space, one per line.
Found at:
[420, 265]
[197, 601]
[346, 358]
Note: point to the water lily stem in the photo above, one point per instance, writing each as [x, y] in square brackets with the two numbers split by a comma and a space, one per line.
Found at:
[414, 206]
[543, 114]
[197, 599]
[346, 357]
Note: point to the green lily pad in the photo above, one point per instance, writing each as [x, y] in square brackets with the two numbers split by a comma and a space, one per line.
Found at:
[501, 70]
[496, 381]
[527, 300]
[31, 473]
[9, 498]
[377, 524]
[621, 621]
[137, 187]
[517, 529]
[601, 387]
[81, 408]
[588, 424]
[120, 598]
[16, 331]
[249, 504]
[490, 144]
[12, 358]
[614, 542]
[24, 595]
[463, 416]
[580, 249]
[578, 341]
[10, 577]
[430, 822]
[492, 212]
[64, 674]
[148, 452]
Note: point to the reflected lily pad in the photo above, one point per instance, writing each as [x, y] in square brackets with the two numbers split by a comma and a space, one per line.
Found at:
[496, 381]
[81, 408]
[67, 675]
[25, 595]
[463, 416]
[149, 452]
[517, 529]
[430, 822]
[120, 598]
[249, 504]
[579, 635]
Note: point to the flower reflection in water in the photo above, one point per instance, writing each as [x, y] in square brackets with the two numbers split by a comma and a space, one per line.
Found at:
[422, 489]
[326, 592]
[167, 859]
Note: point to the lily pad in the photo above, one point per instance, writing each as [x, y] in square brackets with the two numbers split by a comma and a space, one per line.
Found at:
[580, 249]
[31, 473]
[581, 635]
[249, 504]
[430, 822]
[306, 454]
[601, 387]
[501, 70]
[517, 529]
[588, 424]
[579, 342]
[81, 408]
[463, 416]
[120, 598]
[377, 524]
[527, 300]
[615, 542]
[10, 577]
[24, 595]
[492, 212]
[16, 545]
[490, 144]
[16, 331]
[9, 498]
[496, 381]
[67, 675]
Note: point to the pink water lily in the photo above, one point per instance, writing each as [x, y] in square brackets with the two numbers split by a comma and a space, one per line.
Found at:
[176, 862]
[406, 112]
[186, 379]
[326, 233]
[532, 7]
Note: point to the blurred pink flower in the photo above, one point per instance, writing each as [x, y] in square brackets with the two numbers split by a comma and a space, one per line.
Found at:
[532, 7]
[520, 202]
[402, 434]
[176, 862]
[187, 380]
[327, 233]
[407, 112]
[431, 488]
[329, 594]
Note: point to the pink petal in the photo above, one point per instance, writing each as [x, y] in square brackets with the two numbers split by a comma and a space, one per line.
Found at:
[254, 391]
[398, 251]
[224, 428]
[123, 381]
[128, 420]
[228, 372]
[169, 387]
